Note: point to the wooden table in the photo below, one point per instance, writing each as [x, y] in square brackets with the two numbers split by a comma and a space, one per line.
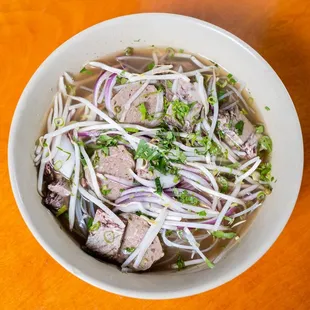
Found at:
[30, 30]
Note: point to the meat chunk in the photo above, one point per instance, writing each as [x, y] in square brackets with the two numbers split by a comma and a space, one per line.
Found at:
[106, 236]
[55, 201]
[187, 93]
[244, 139]
[134, 234]
[58, 189]
[148, 97]
[117, 164]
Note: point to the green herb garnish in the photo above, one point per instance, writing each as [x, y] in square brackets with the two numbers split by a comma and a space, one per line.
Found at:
[159, 188]
[131, 130]
[259, 129]
[202, 213]
[223, 235]
[185, 197]
[84, 70]
[143, 111]
[94, 226]
[61, 210]
[231, 80]
[223, 184]
[104, 190]
[180, 263]
[150, 66]
[239, 127]
[265, 144]
[267, 108]
[128, 51]
[89, 223]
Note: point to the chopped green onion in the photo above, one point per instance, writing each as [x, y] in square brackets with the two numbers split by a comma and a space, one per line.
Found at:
[89, 223]
[259, 129]
[108, 236]
[130, 250]
[267, 108]
[94, 226]
[211, 100]
[170, 52]
[62, 150]
[61, 210]
[129, 51]
[59, 122]
[222, 84]
[223, 235]
[131, 130]
[261, 196]
[143, 111]
[231, 79]
[58, 164]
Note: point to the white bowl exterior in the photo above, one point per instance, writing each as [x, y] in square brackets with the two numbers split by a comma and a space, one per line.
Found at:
[198, 37]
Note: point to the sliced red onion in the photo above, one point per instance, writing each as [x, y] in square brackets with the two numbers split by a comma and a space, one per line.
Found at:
[108, 93]
[102, 77]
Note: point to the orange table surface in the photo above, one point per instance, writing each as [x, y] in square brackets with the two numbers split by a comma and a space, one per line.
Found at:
[30, 30]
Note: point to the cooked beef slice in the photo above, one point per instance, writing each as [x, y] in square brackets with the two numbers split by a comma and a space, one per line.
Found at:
[117, 163]
[247, 140]
[55, 201]
[58, 188]
[105, 236]
[134, 234]
[148, 97]
[186, 92]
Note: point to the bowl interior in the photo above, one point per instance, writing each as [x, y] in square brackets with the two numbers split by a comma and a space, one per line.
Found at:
[195, 36]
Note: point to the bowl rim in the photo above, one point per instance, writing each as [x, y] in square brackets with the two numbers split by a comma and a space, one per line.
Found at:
[105, 285]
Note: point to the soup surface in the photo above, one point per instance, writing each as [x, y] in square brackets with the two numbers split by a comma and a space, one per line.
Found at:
[153, 159]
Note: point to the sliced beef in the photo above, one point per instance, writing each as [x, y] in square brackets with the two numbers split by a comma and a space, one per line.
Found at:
[187, 93]
[55, 201]
[58, 188]
[117, 164]
[106, 236]
[247, 140]
[134, 234]
[148, 97]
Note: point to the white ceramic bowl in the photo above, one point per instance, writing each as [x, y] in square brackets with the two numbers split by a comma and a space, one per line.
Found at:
[198, 37]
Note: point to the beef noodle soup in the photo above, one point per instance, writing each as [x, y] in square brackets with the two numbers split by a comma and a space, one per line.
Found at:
[153, 159]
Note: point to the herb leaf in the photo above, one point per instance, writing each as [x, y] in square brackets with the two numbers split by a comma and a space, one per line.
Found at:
[185, 197]
[159, 188]
[239, 127]
[143, 111]
[180, 263]
[223, 235]
[265, 144]
[84, 70]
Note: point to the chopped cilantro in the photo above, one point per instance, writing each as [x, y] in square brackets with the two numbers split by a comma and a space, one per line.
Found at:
[150, 66]
[265, 144]
[185, 197]
[267, 108]
[90, 221]
[223, 235]
[159, 188]
[180, 263]
[181, 50]
[180, 110]
[169, 232]
[84, 70]
[104, 190]
[223, 184]
[239, 127]
[202, 213]
[264, 170]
